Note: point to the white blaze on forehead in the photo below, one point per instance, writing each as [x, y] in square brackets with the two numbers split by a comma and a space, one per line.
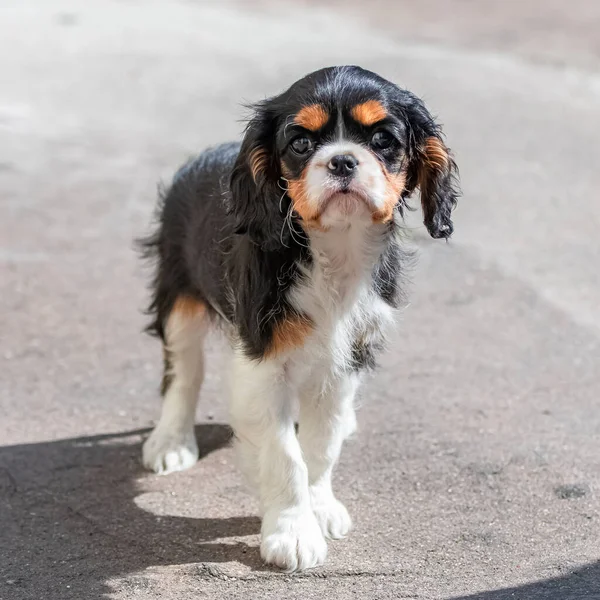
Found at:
[368, 177]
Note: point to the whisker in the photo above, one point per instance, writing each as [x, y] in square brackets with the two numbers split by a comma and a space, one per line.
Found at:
[288, 219]
[281, 200]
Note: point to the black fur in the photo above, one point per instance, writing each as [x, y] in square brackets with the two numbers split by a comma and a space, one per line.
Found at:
[225, 233]
[168, 376]
[199, 253]
[386, 278]
[439, 187]
[364, 356]
[258, 203]
[193, 237]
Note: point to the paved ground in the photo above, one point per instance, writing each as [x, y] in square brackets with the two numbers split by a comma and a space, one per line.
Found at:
[476, 471]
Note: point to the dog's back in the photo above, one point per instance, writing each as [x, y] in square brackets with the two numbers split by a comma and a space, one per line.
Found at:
[193, 235]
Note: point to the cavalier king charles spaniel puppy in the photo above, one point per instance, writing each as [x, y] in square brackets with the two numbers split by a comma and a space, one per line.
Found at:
[290, 242]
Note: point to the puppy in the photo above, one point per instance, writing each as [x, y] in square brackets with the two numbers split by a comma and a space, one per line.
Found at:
[291, 242]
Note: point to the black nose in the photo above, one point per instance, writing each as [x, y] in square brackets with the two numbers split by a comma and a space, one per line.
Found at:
[342, 165]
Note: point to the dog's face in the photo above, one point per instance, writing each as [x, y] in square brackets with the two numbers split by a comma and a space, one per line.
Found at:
[341, 144]
[343, 156]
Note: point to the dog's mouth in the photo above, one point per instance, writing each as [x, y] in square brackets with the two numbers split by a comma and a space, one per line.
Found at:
[348, 198]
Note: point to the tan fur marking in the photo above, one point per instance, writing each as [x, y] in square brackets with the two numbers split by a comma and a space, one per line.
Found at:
[187, 308]
[289, 334]
[184, 310]
[310, 219]
[258, 162]
[436, 154]
[394, 184]
[312, 117]
[369, 112]
[297, 192]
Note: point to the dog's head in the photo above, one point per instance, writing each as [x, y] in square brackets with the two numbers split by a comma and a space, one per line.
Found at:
[340, 144]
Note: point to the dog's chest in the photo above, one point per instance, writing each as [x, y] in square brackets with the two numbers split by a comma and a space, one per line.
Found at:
[337, 293]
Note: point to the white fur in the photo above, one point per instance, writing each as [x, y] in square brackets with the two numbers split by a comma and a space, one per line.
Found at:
[368, 181]
[327, 418]
[293, 473]
[172, 445]
[262, 416]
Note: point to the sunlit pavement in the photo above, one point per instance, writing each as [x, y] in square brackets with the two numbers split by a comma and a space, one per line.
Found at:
[476, 469]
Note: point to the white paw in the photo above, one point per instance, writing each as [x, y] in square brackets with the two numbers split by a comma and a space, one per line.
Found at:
[166, 451]
[292, 540]
[331, 515]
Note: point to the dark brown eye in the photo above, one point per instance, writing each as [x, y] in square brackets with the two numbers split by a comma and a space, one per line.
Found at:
[382, 140]
[301, 145]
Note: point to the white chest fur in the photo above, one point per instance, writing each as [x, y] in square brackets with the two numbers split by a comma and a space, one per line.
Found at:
[337, 293]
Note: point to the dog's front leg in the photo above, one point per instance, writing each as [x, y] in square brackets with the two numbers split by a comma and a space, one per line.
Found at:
[262, 418]
[327, 418]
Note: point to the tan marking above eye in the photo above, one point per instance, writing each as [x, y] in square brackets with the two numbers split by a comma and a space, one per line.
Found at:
[369, 112]
[312, 117]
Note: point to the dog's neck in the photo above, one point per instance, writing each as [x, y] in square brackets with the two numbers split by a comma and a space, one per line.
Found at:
[344, 259]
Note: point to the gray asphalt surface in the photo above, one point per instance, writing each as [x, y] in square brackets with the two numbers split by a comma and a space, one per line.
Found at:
[475, 473]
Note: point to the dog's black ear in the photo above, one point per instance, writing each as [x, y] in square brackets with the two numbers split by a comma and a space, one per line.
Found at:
[258, 204]
[431, 168]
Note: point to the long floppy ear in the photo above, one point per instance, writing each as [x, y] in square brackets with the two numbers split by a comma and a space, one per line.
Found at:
[258, 204]
[431, 168]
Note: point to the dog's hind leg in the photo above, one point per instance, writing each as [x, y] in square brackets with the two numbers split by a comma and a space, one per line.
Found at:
[172, 445]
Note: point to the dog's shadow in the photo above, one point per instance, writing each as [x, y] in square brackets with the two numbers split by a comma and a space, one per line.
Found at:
[70, 522]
